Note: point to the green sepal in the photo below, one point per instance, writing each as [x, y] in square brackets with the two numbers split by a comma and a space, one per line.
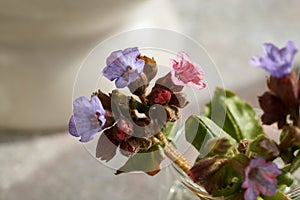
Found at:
[239, 163]
[147, 161]
[278, 196]
[231, 189]
[236, 196]
[265, 147]
[227, 182]
[285, 179]
[234, 115]
[295, 163]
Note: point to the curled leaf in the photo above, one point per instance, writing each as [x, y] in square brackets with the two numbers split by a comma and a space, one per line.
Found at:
[199, 130]
[146, 161]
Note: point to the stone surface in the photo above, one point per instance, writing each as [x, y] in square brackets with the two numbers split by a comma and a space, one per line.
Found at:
[58, 167]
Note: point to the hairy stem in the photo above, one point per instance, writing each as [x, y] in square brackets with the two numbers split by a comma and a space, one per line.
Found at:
[173, 154]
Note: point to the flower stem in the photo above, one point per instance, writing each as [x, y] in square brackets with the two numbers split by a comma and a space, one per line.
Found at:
[173, 154]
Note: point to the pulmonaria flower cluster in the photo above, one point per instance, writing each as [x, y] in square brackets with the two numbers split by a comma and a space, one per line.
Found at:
[281, 101]
[237, 159]
[260, 178]
[115, 114]
[278, 62]
[243, 166]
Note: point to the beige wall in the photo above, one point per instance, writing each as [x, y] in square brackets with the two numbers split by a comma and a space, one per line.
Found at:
[42, 44]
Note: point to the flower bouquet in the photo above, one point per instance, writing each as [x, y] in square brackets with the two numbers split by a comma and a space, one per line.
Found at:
[237, 158]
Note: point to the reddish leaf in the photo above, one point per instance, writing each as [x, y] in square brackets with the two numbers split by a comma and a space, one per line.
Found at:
[107, 145]
[274, 109]
[286, 89]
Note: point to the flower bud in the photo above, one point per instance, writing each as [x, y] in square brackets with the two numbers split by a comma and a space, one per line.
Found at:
[243, 146]
[239, 163]
[126, 149]
[290, 136]
[205, 172]
[172, 113]
[163, 97]
[264, 146]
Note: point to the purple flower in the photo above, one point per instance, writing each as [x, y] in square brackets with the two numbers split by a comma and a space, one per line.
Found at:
[123, 66]
[278, 62]
[87, 119]
[186, 73]
[260, 178]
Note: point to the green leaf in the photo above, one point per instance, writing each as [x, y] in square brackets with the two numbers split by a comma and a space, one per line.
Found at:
[296, 163]
[146, 161]
[239, 163]
[234, 115]
[200, 131]
[220, 146]
[237, 196]
[232, 188]
[170, 130]
[285, 179]
[278, 196]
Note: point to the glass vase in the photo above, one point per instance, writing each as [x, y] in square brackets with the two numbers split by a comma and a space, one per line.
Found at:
[184, 188]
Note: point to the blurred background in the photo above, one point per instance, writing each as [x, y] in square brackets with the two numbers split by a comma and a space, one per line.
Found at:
[42, 45]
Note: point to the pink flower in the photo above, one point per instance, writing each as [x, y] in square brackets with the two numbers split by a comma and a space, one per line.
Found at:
[186, 73]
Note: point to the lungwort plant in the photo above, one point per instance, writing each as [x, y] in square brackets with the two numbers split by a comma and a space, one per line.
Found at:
[237, 159]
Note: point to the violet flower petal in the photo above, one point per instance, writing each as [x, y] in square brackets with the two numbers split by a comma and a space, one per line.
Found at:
[260, 178]
[123, 67]
[87, 119]
[278, 62]
[72, 127]
[252, 192]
